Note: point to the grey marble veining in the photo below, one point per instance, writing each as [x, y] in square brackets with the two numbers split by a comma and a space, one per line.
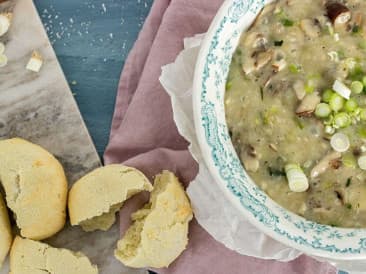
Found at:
[40, 108]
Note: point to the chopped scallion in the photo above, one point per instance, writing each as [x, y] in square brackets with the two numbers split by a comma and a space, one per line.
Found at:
[329, 130]
[351, 105]
[363, 114]
[309, 89]
[356, 87]
[293, 68]
[349, 160]
[341, 120]
[322, 110]
[341, 89]
[340, 142]
[297, 180]
[287, 22]
[362, 132]
[336, 102]
[229, 84]
[327, 94]
[356, 73]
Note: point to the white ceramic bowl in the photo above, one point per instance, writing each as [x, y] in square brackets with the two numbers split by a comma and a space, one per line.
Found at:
[209, 87]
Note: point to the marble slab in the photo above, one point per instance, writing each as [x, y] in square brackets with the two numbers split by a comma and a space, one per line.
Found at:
[40, 107]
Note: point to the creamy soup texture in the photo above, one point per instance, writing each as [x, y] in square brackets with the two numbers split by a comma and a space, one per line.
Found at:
[296, 107]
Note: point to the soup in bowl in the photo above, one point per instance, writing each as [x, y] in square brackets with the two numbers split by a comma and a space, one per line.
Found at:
[279, 114]
[295, 105]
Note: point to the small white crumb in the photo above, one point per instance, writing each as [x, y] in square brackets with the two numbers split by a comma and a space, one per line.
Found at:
[35, 62]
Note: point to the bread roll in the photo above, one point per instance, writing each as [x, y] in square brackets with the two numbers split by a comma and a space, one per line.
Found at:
[159, 233]
[5, 231]
[96, 197]
[35, 186]
[32, 257]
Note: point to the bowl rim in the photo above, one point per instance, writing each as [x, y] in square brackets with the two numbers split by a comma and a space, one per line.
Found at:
[206, 149]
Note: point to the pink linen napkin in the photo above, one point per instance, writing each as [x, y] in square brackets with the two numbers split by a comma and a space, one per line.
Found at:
[144, 136]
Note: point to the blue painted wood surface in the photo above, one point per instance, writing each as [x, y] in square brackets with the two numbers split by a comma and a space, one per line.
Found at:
[92, 39]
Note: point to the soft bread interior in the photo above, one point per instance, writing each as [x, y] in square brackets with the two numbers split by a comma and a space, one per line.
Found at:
[95, 198]
[102, 222]
[159, 232]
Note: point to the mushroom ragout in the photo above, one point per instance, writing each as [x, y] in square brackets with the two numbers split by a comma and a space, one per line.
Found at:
[296, 107]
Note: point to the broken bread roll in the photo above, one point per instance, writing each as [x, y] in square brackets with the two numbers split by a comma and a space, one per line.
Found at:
[35, 186]
[96, 197]
[32, 257]
[159, 233]
[5, 231]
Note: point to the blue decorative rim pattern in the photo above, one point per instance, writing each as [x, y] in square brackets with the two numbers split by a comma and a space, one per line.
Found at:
[210, 77]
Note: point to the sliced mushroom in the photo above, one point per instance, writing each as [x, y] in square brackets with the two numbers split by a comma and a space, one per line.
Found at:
[248, 65]
[279, 65]
[321, 21]
[276, 86]
[337, 12]
[267, 8]
[310, 27]
[268, 81]
[335, 164]
[324, 164]
[256, 40]
[257, 61]
[273, 147]
[299, 88]
[249, 158]
[262, 59]
[308, 104]
[251, 151]
[251, 164]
